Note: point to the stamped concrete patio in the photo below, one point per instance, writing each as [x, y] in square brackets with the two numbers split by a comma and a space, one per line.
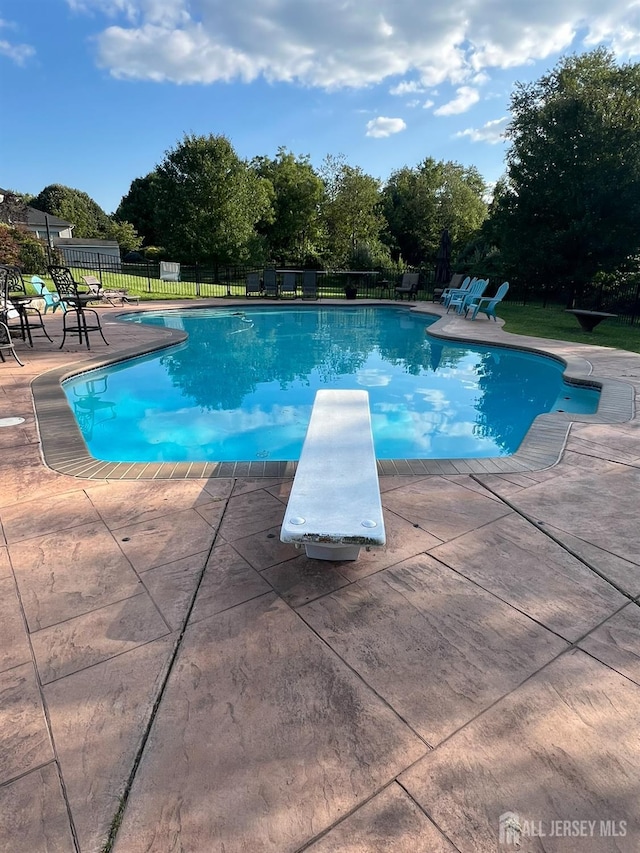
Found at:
[174, 678]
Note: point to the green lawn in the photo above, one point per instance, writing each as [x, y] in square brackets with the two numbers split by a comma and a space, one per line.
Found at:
[549, 322]
[553, 322]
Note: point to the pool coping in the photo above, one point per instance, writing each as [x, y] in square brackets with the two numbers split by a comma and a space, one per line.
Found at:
[65, 451]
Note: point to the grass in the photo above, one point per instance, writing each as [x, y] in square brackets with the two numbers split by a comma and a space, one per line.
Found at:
[550, 322]
[553, 322]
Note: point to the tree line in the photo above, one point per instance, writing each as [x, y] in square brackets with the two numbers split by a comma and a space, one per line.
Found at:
[564, 214]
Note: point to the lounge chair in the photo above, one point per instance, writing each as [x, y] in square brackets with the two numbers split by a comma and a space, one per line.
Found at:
[461, 299]
[288, 286]
[106, 295]
[252, 284]
[270, 283]
[310, 284]
[408, 285]
[486, 304]
[51, 300]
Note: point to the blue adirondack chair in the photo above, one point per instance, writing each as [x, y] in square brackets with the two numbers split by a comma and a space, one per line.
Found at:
[487, 304]
[51, 300]
[448, 292]
[460, 300]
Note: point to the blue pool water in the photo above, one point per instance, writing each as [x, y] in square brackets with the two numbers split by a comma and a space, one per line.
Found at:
[242, 387]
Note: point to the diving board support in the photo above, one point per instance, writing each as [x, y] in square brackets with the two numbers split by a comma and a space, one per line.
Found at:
[334, 508]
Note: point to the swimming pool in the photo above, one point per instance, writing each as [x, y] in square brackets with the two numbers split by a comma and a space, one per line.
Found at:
[242, 387]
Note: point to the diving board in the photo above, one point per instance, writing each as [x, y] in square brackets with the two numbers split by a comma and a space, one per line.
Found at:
[334, 508]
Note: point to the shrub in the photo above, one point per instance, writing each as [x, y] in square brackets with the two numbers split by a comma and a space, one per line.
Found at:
[9, 246]
[19, 247]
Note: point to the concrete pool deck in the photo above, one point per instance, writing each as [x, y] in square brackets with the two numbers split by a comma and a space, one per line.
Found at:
[169, 667]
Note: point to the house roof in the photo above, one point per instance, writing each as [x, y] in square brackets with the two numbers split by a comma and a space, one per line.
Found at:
[36, 218]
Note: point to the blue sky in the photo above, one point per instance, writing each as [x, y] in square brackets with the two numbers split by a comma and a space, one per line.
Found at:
[97, 91]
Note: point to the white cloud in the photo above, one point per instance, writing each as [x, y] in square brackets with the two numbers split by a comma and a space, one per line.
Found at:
[19, 53]
[428, 104]
[381, 126]
[465, 98]
[336, 44]
[491, 132]
[406, 87]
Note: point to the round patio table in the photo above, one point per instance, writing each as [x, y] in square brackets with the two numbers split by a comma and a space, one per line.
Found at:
[589, 319]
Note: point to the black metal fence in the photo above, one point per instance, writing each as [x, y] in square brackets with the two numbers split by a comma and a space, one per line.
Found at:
[200, 281]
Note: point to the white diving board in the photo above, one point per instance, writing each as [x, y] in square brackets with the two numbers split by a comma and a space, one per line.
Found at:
[334, 508]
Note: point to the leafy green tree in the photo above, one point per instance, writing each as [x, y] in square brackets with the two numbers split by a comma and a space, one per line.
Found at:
[75, 207]
[570, 203]
[293, 226]
[209, 201]
[139, 207]
[418, 203]
[352, 215]
[125, 236]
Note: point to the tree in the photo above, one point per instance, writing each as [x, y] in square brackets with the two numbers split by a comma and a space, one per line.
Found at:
[75, 207]
[352, 215]
[125, 236]
[293, 226]
[570, 204]
[139, 207]
[209, 202]
[418, 203]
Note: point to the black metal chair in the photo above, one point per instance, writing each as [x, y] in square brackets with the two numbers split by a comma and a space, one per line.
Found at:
[76, 299]
[7, 344]
[16, 300]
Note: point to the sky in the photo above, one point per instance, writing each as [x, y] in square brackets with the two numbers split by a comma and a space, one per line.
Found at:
[94, 93]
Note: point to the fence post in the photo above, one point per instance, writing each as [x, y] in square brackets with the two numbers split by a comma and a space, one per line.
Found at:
[197, 271]
[148, 278]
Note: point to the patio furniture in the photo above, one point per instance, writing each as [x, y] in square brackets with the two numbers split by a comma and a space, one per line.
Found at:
[449, 292]
[334, 507]
[461, 299]
[270, 283]
[486, 304]
[169, 271]
[106, 294]
[252, 284]
[7, 344]
[75, 320]
[310, 284]
[589, 319]
[288, 286]
[408, 285]
[16, 298]
[456, 281]
[51, 300]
